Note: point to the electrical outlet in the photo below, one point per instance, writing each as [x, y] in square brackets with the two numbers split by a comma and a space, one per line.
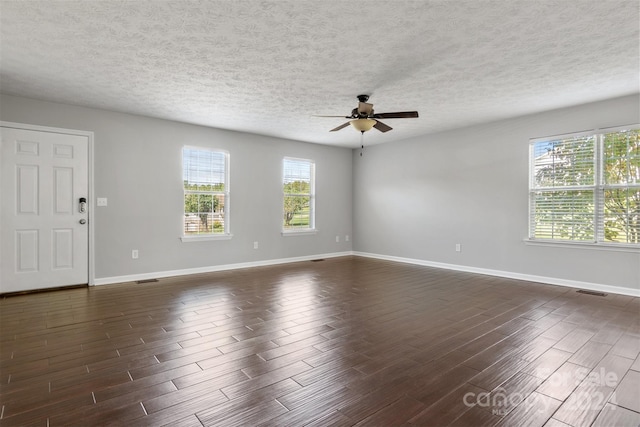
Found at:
[255, 245]
[134, 254]
[337, 239]
[458, 247]
[346, 238]
[101, 201]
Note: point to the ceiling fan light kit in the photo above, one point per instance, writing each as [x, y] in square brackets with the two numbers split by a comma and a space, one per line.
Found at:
[363, 125]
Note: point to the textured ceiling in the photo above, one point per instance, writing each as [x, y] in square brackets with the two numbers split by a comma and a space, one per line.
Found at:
[267, 67]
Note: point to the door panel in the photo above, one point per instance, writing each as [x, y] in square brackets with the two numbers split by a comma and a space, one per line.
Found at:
[27, 189]
[27, 251]
[62, 256]
[63, 190]
[44, 174]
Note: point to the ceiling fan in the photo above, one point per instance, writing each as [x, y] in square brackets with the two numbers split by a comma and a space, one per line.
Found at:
[363, 117]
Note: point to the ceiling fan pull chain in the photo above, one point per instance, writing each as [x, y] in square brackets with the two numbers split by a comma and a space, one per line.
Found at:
[361, 142]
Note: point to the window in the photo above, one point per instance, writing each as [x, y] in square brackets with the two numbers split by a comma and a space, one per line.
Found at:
[586, 187]
[206, 192]
[299, 195]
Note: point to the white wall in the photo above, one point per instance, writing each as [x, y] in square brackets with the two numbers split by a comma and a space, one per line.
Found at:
[412, 200]
[417, 198]
[138, 168]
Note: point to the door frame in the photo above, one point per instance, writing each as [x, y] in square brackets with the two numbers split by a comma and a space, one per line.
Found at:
[90, 196]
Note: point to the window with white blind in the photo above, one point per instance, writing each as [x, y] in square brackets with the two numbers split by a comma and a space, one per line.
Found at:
[586, 188]
[298, 195]
[205, 175]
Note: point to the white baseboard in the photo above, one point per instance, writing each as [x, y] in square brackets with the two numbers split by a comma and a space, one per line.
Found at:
[499, 273]
[508, 274]
[209, 269]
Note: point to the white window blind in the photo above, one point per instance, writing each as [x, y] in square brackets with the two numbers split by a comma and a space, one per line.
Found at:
[586, 188]
[206, 191]
[621, 195]
[563, 185]
[299, 194]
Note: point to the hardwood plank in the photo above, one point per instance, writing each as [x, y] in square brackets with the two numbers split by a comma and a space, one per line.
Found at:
[547, 363]
[628, 391]
[243, 353]
[491, 355]
[534, 411]
[192, 393]
[334, 372]
[498, 373]
[449, 407]
[314, 393]
[264, 380]
[476, 416]
[611, 369]
[175, 413]
[482, 343]
[367, 403]
[533, 348]
[590, 354]
[432, 389]
[251, 409]
[612, 415]
[251, 342]
[264, 366]
[559, 330]
[290, 348]
[97, 414]
[512, 393]
[395, 414]
[333, 419]
[574, 340]
[131, 386]
[563, 381]
[555, 423]
[584, 404]
[36, 414]
[627, 346]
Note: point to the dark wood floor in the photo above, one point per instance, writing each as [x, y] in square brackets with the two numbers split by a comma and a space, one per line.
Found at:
[345, 341]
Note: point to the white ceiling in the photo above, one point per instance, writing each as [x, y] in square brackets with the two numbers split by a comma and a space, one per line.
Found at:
[267, 67]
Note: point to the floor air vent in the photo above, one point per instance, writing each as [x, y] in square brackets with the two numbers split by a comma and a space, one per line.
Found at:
[146, 281]
[316, 260]
[594, 293]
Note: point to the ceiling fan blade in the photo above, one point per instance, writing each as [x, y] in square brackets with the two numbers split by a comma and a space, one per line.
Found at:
[398, 115]
[365, 108]
[340, 127]
[382, 127]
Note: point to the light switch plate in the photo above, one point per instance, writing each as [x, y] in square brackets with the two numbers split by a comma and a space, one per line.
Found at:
[101, 201]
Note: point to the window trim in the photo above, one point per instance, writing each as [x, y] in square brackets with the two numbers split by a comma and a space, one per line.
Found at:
[598, 188]
[226, 235]
[312, 200]
[205, 237]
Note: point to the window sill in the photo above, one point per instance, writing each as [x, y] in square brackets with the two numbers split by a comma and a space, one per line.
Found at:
[305, 232]
[205, 237]
[616, 247]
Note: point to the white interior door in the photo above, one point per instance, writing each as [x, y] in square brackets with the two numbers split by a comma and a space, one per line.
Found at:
[45, 235]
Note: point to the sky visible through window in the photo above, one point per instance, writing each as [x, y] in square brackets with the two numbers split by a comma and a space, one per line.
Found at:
[541, 148]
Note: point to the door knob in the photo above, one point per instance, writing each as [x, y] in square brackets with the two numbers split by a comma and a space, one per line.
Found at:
[83, 221]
